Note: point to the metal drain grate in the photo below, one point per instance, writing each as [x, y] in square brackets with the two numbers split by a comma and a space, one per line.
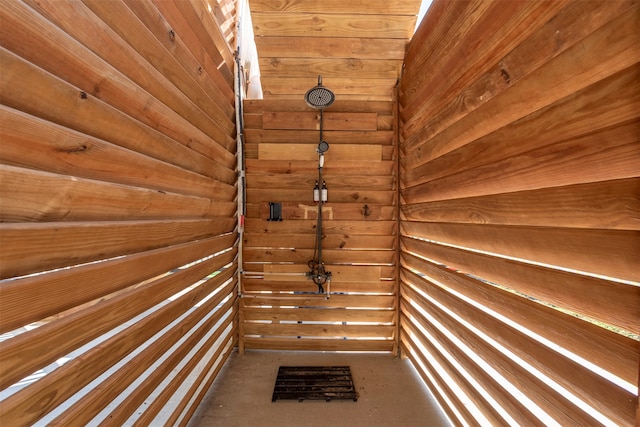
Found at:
[314, 383]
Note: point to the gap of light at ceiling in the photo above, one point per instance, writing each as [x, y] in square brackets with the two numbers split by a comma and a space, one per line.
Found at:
[423, 10]
[249, 55]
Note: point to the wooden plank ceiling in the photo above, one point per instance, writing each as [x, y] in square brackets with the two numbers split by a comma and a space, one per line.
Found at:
[357, 46]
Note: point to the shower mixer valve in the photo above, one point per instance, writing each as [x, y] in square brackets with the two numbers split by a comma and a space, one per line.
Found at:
[319, 275]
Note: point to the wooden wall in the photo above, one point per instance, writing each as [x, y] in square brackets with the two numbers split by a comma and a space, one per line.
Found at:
[520, 165]
[280, 306]
[118, 243]
[517, 167]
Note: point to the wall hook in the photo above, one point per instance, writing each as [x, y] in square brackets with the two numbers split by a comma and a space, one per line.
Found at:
[366, 211]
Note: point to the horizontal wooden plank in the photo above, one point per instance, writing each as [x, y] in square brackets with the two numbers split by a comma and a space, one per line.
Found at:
[62, 383]
[258, 106]
[317, 344]
[99, 397]
[582, 295]
[605, 205]
[251, 121]
[581, 70]
[345, 87]
[482, 34]
[319, 315]
[334, 181]
[304, 301]
[360, 152]
[416, 331]
[414, 339]
[35, 247]
[543, 128]
[84, 68]
[334, 47]
[389, 152]
[193, 368]
[450, 360]
[335, 167]
[33, 298]
[573, 22]
[305, 197]
[337, 68]
[609, 350]
[24, 87]
[340, 273]
[442, 28]
[311, 120]
[212, 368]
[158, 52]
[122, 56]
[38, 144]
[332, 25]
[366, 94]
[286, 283]
[338, 211]
[386, 122]
[29, 195]
[57, 338]
[274, 284]
[333, 137]
[596, 157]
[203, 50]
[329, 256]
[611, 400]
[425, 29]
[307, 241]
[371, 228]
[384, 7]
[433, 377]
[223, 340]
[310, 330]
[200, 13]
[538, 166]
[225, 15]
[609, 253]
[253, 283]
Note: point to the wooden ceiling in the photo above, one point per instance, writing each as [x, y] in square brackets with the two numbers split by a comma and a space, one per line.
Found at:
[356, 45]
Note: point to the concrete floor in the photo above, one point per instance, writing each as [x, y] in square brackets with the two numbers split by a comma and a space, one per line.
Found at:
[390, 394]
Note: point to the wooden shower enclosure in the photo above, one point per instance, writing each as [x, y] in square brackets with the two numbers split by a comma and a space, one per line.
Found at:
[482, 217]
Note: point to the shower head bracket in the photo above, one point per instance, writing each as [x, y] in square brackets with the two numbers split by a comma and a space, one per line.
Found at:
[323, 147]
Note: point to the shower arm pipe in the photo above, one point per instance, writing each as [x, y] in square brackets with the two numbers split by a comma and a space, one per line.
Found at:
[321, 126]
[320, 203]
[320, 166]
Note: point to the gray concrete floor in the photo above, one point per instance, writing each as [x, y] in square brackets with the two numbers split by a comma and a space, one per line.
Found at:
[390, 394]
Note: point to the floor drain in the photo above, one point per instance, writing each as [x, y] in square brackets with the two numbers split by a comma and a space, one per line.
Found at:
[314, 383]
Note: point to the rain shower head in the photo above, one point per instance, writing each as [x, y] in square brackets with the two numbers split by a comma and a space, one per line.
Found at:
[319, 97]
